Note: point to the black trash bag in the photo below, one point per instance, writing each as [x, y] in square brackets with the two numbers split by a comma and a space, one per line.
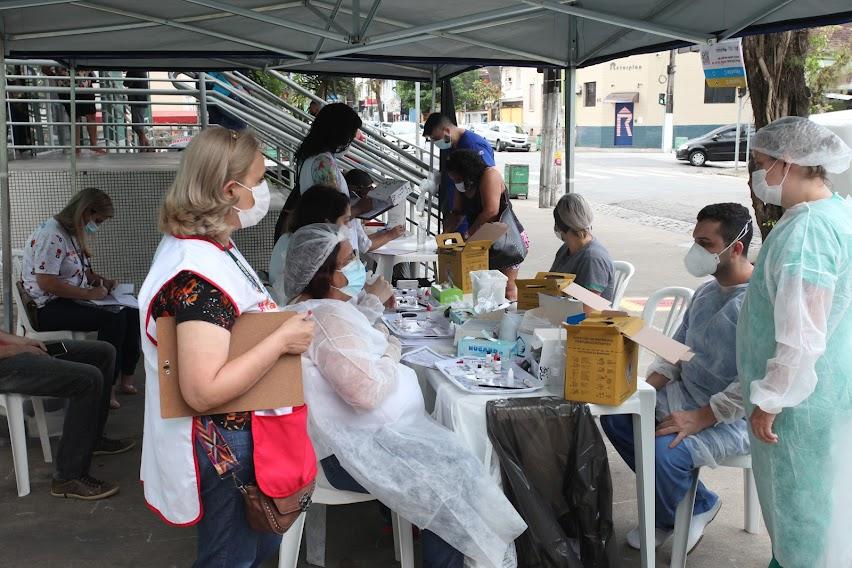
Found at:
[556, 474]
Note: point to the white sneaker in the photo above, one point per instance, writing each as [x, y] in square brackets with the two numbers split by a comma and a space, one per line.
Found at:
[660, 536]
[699, 523]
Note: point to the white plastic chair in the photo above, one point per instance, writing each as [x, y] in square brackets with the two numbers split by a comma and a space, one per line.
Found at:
[624, 271]
[683, 516]
[12, 406]
[680, 301]
[325, 494]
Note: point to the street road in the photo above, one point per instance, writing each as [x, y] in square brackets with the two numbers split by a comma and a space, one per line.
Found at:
[653, 184]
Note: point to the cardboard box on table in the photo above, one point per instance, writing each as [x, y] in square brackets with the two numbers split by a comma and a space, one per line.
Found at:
[602, 352]
[281, 386]
[457, 258]
[548, 283]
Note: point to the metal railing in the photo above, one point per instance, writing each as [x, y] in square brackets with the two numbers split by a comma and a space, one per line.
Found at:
[53, 111]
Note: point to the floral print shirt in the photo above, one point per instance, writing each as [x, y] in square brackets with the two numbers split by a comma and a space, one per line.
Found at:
[51, 250]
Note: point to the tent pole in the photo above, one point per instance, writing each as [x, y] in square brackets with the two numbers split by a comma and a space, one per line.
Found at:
[570, 87]
[4, 198]
[72, 102]
[202, 98]
[431, 110]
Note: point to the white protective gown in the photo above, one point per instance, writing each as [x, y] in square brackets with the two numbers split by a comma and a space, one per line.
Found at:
[367, 409]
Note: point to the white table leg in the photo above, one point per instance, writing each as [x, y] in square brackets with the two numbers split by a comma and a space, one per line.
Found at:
[643, 440]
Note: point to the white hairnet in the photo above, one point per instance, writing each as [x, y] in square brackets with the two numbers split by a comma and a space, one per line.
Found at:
[308, 249]
[798, 140]
[575, 212]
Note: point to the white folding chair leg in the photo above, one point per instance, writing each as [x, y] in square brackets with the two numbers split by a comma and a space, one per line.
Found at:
[288, 554]
[395, 536]
[405, 541]
[752, 505]
[315, 535]
[15, 417]
[41, 423]
[683, 520]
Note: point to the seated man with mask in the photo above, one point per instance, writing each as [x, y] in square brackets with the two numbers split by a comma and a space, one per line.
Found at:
[700, 418]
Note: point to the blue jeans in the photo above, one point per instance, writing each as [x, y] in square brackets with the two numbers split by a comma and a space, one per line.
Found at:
[673, 471]
[225, 539]
[436, 552]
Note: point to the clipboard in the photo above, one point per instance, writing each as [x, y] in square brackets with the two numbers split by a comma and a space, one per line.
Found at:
[280, 386]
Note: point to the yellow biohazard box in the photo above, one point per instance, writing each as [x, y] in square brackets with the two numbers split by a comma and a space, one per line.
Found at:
[548, 283]
[602, 356]
[457, 258]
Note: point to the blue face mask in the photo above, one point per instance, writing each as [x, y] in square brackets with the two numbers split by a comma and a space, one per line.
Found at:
[91, 227]
[356, 277]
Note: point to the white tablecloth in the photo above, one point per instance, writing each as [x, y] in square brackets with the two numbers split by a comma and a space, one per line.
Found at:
[464, 413]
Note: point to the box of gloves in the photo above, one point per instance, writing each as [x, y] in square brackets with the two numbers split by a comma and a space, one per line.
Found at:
[602, 356]
[548, 283]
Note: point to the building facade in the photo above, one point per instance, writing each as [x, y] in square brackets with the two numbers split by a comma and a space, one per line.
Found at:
[622, 102]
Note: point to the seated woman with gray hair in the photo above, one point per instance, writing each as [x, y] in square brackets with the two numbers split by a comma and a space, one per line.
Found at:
[368, 421]
[581, 253]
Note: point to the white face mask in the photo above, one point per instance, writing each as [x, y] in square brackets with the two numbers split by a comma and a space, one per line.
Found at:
[252, 216]
[700, 262]
[444, 143]
[460, 187]
[769, 194]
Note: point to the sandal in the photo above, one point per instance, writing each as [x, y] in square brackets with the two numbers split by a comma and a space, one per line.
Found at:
[128, 389]
[114, 404]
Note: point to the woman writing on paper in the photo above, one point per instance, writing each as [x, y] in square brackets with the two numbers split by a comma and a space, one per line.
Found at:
[57, 274]
[201, 279]
[368, 417]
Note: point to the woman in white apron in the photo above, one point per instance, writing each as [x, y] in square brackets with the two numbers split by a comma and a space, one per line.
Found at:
[201, 279]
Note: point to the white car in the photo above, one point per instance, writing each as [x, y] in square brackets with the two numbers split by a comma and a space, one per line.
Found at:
[505, 136]
[409, 133]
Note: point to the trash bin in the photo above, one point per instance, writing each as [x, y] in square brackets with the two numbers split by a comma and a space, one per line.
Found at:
[517, 177]
[556, 474]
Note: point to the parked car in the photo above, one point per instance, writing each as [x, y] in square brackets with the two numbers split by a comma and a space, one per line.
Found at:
[505, 136]
[715, 146]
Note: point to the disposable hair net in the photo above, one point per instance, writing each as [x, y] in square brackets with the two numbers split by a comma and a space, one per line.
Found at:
[368, 411]
[308, 249]
[575, 212]
[798, 140]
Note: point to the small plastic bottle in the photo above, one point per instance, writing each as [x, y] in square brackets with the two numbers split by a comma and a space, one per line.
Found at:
[498, 364]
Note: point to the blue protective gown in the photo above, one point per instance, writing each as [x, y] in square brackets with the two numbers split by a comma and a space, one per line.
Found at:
[709, 329]
[794, 351]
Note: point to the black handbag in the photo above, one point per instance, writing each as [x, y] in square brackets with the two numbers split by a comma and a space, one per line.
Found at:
[510, 249]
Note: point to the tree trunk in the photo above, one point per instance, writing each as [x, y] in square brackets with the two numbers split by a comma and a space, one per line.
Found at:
[548, 194]
[776, 83]
[377, 90]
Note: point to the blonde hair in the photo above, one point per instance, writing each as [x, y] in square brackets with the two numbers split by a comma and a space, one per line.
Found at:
[90, 200]
[195, 204]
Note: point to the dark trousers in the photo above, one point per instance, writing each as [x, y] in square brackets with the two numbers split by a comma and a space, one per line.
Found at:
[120, 329]
[79, 376]
[436, 552]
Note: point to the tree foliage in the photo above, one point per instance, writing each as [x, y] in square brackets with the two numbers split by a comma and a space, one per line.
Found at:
[473, 90]
[777, 87]
[824, 66]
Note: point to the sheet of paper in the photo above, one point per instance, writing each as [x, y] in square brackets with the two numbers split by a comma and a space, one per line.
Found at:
[120, 295]
[424, 357]
[587, 297]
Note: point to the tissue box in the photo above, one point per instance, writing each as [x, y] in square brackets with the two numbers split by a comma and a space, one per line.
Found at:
[446, 294]
[602, 356]
[549, 283]
[478, 347]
